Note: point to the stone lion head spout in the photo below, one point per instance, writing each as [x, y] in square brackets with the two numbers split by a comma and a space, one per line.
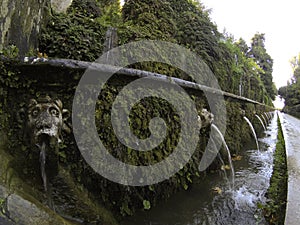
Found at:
[46, 118]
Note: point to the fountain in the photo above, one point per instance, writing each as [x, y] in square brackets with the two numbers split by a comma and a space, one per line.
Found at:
[205, 119]
[45, 123]
[253, 131]
[201, 205]
[214, 127]
[223, 167]
[260, 121]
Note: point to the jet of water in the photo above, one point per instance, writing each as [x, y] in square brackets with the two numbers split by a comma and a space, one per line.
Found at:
[264, 119]
[262, 123]
[223, 165]
[213, 126]
[43, 164]
[268, 116]
[253, 131]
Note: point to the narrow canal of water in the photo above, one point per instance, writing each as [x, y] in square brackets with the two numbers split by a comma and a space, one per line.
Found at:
[201, 205]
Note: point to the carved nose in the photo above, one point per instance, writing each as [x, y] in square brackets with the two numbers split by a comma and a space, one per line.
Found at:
[43, 125]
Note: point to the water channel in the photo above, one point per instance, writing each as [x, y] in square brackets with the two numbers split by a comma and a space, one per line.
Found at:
[213, 201]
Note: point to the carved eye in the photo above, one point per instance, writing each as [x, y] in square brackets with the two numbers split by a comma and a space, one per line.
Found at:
[35, 112]
[54, 112]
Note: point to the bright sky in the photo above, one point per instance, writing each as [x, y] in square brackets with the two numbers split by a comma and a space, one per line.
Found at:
[278, 19]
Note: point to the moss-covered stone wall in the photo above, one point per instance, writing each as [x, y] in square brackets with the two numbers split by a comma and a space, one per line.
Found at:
[23, 82]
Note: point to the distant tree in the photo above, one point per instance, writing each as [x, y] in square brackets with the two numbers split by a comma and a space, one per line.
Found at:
[241, 43]
[291, 92]
[259, 53]
[295, 64]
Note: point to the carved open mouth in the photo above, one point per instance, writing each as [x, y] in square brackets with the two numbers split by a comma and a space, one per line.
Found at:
[51, 132]
[47, 136]
[43, 137]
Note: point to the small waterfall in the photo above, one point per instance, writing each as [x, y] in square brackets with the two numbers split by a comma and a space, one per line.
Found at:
[228, 153]
[253, 131]
[43, 164]
[262, 123]
[111, 41]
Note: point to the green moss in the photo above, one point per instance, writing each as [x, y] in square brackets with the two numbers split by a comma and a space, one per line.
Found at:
[274, 210]
[74, 35]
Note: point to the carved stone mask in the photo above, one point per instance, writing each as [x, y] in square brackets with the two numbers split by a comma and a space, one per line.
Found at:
[45, 120]
[206, 118]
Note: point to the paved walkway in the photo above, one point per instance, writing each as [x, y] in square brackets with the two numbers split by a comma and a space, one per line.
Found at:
[291, 131]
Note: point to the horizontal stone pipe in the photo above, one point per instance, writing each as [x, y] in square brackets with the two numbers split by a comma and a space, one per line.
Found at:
[82, 65]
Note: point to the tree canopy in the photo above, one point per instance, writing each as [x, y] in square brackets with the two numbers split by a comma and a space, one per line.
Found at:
[259, 53]
[291, 92]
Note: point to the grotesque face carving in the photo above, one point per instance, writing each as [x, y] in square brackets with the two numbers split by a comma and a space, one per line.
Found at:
[45, 120]
[206, 118]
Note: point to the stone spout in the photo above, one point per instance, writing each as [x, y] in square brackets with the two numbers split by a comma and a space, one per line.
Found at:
[243, 112]
[205, 118]
[45, 120]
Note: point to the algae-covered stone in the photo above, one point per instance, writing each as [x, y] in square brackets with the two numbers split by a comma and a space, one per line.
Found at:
[20, 23]
[18, 210]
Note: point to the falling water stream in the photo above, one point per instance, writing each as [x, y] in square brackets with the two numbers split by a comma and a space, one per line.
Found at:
[228, 154]
[253, 131]
[200, 205]
[268, 116]
[43, 148]
[264, 119]
[262, 123]
[43, 164]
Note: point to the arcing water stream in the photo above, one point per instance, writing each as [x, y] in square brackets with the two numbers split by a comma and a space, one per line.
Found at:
[228, 155]
[201, 205]
[261, 121]
[253, 131]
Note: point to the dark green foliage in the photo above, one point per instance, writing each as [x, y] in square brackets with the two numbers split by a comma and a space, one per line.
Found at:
[196, 31]
[241, 43]
[74, 35]
[86, 8]
[263, 59]
[148, 20]
[277, 193]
